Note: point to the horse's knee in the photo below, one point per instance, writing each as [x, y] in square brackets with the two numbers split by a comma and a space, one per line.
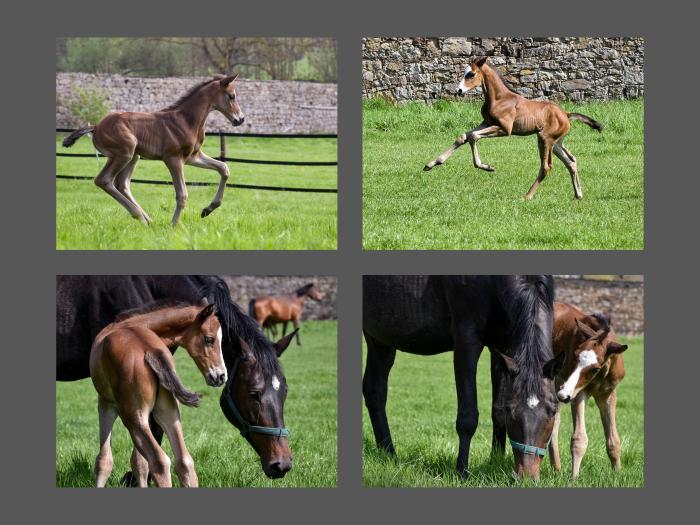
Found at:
[104, 462]
[461, 139]
[467, 423]
[185, 464]
[181, 200]
[103, 182]
[161, 465]
[224, 172]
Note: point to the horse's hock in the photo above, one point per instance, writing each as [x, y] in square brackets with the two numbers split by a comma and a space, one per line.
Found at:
[428, 69]
[270, 106]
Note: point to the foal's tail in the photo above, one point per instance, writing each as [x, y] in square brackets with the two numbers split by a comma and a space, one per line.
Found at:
[73, 137]
[251, 308]
[168, 379]
[586, 120]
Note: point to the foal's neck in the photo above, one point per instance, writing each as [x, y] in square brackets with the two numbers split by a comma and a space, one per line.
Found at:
[492, 84]
[196, 108]
[170, 324]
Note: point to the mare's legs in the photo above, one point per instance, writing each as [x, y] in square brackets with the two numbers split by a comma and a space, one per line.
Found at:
[284, 328]
[554, 457]
[204, 161]
[295, 324]
[570, 162]
[498, 408]
[607, 406]
[480, 132]
[545, 146]
[175, 166]
[107, 413]
[105, 180]
[380, 359]
[123, 184]
[466, 355]
[167, 413]
[579, 439]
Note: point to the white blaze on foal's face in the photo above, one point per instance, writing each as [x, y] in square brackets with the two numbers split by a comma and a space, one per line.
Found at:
[585, 359]
[275, 383]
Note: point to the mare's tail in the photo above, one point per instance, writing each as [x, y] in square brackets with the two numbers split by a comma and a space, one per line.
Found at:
[251, 308]
[73, 137]
[169, 380]
[586, 120]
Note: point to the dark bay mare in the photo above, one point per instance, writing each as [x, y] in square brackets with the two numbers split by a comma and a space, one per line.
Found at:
[428, 315]
[174, 135]
[254, 394]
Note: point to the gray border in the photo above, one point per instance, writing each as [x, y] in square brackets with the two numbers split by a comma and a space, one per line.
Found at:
[28, 210]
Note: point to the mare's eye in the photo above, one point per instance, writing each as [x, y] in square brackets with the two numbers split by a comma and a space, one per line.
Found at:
[255, 395]
[209, 341]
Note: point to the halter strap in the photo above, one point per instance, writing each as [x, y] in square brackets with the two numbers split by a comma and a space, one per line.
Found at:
[530, 449]
[237, 419]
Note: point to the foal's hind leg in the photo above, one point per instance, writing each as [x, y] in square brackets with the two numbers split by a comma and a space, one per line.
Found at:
[167, 414]
[158, 461]
[123, 184]
[105, 180]
[545, 147]
[570, 162]
[174, 164]
[103, 463]
[204, 161]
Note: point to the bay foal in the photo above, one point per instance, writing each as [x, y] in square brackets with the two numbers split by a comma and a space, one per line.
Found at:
[174, 135]
[133, 371]
[593, 367]
[507, 113]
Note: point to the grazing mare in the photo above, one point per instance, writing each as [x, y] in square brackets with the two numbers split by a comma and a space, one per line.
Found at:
[85, 304]
[506, 113]
[593, 367]
[427, 315]
[174, 135]
[133, 372]
[270, 310]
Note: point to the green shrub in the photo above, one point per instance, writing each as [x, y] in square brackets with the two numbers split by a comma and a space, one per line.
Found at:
[88, 105]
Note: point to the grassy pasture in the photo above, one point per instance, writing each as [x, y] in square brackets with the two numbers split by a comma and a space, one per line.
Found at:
[456, 206]
[222, 457]
[422, 407]
[87, 218]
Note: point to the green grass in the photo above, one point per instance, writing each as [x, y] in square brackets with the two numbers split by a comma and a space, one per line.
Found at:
[222, 457]
[87, 218]
[422, 407]
[456, 206]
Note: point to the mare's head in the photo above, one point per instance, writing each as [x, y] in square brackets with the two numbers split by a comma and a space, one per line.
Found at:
[225, 99]
[253, 401]
[202, 340]
[530, 407]
[312, 292]
[595, 344]
[472, 76]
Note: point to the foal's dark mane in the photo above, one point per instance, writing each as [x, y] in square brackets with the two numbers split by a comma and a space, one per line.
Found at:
[303, 290]
[527, 296]
[603, 321]
[150, 307]
[235, 324]
[191, 92]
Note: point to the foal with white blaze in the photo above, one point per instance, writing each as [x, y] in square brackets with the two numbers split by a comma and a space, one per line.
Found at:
[592, 367]
[133, 371]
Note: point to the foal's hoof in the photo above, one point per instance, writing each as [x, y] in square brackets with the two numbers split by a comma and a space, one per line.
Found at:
[427, 167]
[205, 212]
[488, 167]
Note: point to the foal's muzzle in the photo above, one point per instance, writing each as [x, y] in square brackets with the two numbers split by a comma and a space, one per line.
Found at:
[216, 377]
[237, 121]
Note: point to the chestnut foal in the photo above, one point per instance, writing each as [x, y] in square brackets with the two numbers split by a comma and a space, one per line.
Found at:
[133, 371]
[593, 367]
[174, 135]
[507, 113]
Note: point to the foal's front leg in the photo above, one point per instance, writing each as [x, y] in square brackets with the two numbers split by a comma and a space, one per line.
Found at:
[204, 161]
[175, 166]
[606, 406]
[480, 132]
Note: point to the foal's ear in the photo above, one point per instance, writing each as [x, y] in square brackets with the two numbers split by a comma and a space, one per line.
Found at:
[283, 343]
[227, 80]
[205, 313]
[510, 363]
[552, 367]
[587, 330]
[480, 61]
[615, 348]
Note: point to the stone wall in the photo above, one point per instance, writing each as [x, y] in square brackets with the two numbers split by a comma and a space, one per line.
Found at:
[623, 300]
[269, 106]
[429, 69]
[245, 287]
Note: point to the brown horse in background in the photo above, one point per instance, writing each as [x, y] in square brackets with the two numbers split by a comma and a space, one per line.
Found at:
[506, 113]
[593, 367]
[271, 310]
[133, 371]
[174, 135]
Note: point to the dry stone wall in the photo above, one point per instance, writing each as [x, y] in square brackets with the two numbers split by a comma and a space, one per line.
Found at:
[428, 69]
[269, 106]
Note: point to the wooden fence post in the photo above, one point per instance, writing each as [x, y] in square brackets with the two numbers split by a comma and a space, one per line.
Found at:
[222, 146]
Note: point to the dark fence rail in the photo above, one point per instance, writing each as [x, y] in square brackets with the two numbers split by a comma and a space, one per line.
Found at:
[222, 156]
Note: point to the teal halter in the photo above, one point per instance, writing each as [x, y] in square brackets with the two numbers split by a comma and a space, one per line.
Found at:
[236, 419]
[530, 449]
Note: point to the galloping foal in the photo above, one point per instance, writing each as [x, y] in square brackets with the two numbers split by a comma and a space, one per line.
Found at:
[133, 371]
[174, 135]
[507, 113]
